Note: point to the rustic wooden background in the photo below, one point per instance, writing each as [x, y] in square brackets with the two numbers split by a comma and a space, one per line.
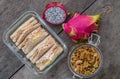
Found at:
[10, 10]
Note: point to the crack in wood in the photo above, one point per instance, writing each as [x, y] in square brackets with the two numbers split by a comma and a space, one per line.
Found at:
[16, 71]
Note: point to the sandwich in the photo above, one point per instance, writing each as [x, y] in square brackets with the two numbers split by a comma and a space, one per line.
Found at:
[33, 39]
[36, 39]
[19, 35]
[32, 26]
[41, 49]
[49, 57]
[14, 36]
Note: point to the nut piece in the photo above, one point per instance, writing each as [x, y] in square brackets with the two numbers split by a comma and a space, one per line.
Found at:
[85, 60]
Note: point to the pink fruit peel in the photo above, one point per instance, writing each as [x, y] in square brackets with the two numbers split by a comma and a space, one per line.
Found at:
[81, 26]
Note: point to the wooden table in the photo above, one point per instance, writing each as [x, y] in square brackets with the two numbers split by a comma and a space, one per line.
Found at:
[10, 10]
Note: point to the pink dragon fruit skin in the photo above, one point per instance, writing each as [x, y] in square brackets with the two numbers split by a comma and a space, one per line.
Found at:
[81, 26]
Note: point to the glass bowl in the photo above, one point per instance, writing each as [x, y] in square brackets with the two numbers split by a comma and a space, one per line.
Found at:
[90, 43]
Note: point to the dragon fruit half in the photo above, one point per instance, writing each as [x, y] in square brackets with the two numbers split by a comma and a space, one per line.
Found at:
[81, 26]
[55, 13]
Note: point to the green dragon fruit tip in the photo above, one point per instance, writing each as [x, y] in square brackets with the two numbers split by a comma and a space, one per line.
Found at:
[96, 17]
[63, 26]
[72, 33]
[75, 41]
[85, 36]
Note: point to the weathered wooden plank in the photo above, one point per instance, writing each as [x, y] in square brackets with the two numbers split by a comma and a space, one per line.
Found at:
[55, 73]
[60, 71]
[9, 63]
[61, 68]
[109, 32]
[110, 36]
[10, 10]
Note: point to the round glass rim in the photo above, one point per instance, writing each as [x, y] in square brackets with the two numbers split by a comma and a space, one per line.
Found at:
[81, 75]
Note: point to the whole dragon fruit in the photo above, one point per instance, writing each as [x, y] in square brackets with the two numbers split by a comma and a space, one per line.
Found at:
[81, 26]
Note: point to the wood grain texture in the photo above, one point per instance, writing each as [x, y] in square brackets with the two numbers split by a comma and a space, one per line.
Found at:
[55, 73]
[110, 37]
[9, 63]
[109, 32]
[60, 71]
[61, 67]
